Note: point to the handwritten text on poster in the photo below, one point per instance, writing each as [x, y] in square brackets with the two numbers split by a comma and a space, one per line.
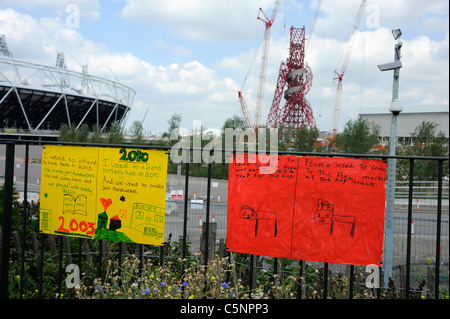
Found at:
[312, 208]
[106, 193]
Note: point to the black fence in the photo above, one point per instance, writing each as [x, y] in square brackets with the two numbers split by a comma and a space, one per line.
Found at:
[191, 226]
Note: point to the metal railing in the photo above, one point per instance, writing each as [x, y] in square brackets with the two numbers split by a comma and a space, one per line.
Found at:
[183, 220]
[421, 189]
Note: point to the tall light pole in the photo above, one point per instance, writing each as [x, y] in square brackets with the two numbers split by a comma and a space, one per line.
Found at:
[395, 109]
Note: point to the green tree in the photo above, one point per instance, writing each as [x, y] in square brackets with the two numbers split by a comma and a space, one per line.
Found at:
[305, 138]
[358, 137]
[137, 130]
[300, 140]
[235, 122]
[174, 124]
[82, 134]
[72, 134]
[67, 134]
[426, 141]
[115, 134]
[96, 135]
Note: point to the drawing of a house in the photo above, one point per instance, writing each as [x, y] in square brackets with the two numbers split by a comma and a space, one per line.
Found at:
[115, 223]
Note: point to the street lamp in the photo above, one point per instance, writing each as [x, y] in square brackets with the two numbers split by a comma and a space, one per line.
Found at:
[395, 108]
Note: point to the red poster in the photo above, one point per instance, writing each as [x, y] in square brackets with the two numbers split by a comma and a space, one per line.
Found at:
[261, 206]
[311, 208]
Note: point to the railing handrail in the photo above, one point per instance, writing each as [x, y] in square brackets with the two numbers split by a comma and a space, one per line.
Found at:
[225, 150]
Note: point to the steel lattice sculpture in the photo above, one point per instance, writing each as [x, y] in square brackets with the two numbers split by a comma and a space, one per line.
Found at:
[296, 74]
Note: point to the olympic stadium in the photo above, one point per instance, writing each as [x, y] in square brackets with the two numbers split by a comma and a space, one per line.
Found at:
[37, 99]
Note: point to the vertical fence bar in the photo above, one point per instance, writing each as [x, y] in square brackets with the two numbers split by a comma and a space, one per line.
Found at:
[6, 223]
[251, 261]
[300, 275]
[208, 204]
[41, 267]
[79, 254]
[161, 256]
[409, 226]
[100, 258]
[275, 266]
[378, 290]
[141, 257]
[24, 220]
[352, 278]
[60, 273]
[325, 281]
[438, 232]
[186, 203]
[119, 258]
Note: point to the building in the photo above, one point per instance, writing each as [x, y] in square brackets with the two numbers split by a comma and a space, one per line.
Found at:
[407, 123]
[36, 99]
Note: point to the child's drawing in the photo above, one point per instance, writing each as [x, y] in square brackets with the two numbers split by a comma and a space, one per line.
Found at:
[248, 212]
[325, 214]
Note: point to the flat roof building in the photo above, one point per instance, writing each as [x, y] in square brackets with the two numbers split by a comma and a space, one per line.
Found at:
[407, 123]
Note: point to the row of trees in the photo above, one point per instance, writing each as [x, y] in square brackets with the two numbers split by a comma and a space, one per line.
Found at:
[358, 137]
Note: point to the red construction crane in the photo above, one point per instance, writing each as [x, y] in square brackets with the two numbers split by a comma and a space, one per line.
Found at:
[339, 76]
[262, 72]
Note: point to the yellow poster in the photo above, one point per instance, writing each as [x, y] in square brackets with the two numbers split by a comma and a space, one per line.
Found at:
[116, 194]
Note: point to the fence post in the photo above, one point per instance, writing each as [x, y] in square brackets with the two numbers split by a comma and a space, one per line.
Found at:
[24, 219]
[53, 251]
[6, 224]
[221, 247]
[301, 280]
[404, 291]
[41, 265]
[252, 276]
[60, 269]
[351, 279]
[186, 203]
[211, 245]
[430, 283]
[438, 231]
[325, 281]
[208, 204]
[87, 251]
[140, 249]
[17, 244]
[408, 233]
[68, 250]
[35, 245]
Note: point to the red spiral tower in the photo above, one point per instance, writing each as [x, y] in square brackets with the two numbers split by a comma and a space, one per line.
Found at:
[296, 74]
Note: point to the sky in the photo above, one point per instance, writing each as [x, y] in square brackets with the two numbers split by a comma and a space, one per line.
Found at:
[191, 57]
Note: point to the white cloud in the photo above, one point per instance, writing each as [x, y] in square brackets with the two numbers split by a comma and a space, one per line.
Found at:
[224, 33]
[168, 47]
[196, 19]
[190, 88]
[88, 9]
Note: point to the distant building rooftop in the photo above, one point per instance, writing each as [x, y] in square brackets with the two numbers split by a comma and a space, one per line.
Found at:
[407, 122]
